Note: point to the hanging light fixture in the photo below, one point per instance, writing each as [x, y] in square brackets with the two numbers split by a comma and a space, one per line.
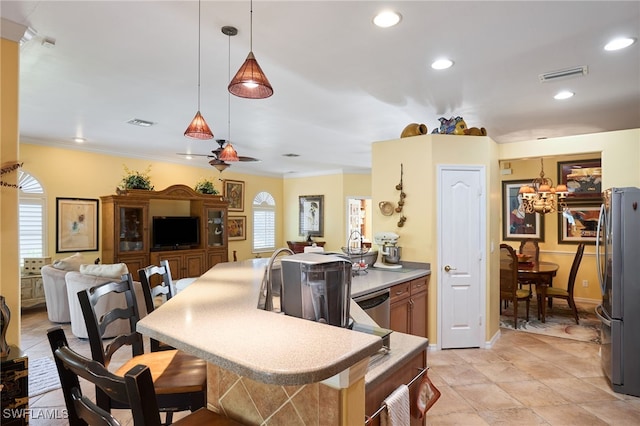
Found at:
[198, 128]
[250, 82]
[542, 197]
[228, 153]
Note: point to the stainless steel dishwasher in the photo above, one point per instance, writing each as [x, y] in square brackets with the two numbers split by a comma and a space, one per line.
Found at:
[377, 305]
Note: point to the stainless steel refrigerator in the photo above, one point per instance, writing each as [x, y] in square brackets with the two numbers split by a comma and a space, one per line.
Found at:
[618, 263]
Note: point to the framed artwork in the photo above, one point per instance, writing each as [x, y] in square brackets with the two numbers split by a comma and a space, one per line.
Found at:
[516, 224]
[583, 178]
[234, 193]
[579, 224]
[237, 228]
[76, 224]
[311, 215]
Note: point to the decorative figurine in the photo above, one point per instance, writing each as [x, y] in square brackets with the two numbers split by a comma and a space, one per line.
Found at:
[451, 126]
[414, 129]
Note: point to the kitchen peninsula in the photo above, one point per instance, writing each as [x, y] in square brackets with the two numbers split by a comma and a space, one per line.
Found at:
[312, 366]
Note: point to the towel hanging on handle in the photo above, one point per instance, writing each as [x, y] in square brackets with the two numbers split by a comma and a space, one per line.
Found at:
[398, 412]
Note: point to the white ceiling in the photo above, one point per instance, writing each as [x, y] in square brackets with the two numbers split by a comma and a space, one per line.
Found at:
[340, 83]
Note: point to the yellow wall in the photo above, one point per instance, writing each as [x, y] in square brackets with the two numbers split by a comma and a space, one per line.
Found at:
[80, 174]
[9, 259]
[620, 154]
[420, 156]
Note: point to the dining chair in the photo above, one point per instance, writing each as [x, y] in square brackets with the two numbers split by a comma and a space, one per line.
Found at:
[135, 389]
[567, 294]
[179, 378]
[529, 247]
[509, 290]
[155, 295]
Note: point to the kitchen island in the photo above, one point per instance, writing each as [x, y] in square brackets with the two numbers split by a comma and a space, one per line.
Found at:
[255, 355]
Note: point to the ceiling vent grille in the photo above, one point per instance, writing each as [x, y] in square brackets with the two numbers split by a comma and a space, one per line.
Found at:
[141, 123]
[565, 73]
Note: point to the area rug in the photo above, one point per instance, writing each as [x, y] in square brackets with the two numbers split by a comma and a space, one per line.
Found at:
[559, 321]
[43, 376]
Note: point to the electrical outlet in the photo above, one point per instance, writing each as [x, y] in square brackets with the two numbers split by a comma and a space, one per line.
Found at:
[585, 283]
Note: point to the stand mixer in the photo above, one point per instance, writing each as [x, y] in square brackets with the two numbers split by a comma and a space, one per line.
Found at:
[389, 252]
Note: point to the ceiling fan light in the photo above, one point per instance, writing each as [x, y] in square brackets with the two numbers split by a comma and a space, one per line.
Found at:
[250, 82]
[198, 128]
[228, 154]
[219, 165]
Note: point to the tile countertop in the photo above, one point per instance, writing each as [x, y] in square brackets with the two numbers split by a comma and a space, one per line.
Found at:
[216, 319]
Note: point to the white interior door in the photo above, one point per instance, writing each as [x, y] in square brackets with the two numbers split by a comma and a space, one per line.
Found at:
[461, 218]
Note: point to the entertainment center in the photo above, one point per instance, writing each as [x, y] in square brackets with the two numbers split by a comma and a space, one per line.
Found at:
[186, 228]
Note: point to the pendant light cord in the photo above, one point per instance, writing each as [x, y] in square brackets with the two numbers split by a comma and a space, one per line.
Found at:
[199, 20]
[229, 93]
[251, 27]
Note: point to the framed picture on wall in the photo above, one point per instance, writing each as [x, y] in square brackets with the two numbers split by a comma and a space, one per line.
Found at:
[311, 210]
[582, 177]
[579, 224]
[234, 193]
[516, 223]
[76, 224]
[237, 228]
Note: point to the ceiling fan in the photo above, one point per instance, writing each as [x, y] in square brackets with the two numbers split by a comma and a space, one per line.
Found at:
[215, 156]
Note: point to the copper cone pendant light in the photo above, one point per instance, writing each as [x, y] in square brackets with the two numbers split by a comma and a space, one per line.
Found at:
[228, 153]
[250, 82]
[198, 129]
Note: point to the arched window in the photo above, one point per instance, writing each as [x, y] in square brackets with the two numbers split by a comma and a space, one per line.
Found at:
[264, 223]
[31, 217]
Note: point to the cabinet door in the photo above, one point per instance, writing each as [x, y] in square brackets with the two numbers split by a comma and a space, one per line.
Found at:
[132, 228]
[194, 265]
[215, 230]
[134, 262]
[419, 314]
[215, 257]
[399, 319]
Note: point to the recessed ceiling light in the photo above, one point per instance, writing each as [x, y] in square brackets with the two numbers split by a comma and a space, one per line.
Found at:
[619, 43]
[387, 18]
[188, 157]
[79, 140]
[442, 64]
[565, 94]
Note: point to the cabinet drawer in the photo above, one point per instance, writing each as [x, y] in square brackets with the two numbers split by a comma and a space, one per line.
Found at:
[418, 285]
[400, 291]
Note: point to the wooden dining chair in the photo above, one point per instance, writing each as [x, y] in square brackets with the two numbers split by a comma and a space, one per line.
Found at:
[567, 294]
[509, 289]
[179, 378]
[155, 295]
[529, 247]
[135, 389]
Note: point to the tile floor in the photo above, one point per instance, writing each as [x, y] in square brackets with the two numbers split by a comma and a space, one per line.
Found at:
[524, 379]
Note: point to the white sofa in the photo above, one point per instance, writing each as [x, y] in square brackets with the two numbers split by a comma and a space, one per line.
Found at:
[76, 282]
[55, 294]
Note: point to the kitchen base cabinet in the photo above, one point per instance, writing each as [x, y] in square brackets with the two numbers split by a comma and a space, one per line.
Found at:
[183, 264]
[375, 393]
[409, 307]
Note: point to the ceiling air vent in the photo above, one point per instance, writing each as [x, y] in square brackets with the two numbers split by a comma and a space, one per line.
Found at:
[141, 123]
[565, 73]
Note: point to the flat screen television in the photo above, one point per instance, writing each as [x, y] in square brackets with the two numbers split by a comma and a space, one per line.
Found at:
[175, 232]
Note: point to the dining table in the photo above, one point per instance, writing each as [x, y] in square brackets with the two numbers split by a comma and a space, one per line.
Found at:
[540, 273]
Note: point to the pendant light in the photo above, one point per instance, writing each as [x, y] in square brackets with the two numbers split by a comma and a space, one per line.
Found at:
[198, 129]
[250, 82]
[228, 153]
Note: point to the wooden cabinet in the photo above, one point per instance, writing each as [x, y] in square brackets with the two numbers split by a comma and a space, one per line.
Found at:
[15, 388]
[409, 307]
[127, 235]
[31, 291]
[376, 392]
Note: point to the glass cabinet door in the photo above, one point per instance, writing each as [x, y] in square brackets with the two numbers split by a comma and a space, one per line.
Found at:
[215, 228]
[131, 229]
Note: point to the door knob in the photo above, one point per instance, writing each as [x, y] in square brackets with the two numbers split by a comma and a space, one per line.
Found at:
[448, 268]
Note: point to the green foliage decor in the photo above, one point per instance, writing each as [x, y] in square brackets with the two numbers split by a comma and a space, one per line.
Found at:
[205, 186]
[136, 180]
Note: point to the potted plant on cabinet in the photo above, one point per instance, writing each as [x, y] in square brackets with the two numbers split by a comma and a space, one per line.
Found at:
[134, 179]
[205, 186]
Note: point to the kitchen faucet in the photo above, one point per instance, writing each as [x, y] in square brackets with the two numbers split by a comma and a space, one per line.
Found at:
[268, 306]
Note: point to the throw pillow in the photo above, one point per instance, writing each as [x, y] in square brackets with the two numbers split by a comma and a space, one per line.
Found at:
[116, 270]
[71, 263]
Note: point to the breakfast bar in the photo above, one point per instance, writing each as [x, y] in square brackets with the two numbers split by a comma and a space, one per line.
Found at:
[216, 318]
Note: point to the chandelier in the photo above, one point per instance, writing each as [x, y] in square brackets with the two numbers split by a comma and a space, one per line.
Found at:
[542, 197]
